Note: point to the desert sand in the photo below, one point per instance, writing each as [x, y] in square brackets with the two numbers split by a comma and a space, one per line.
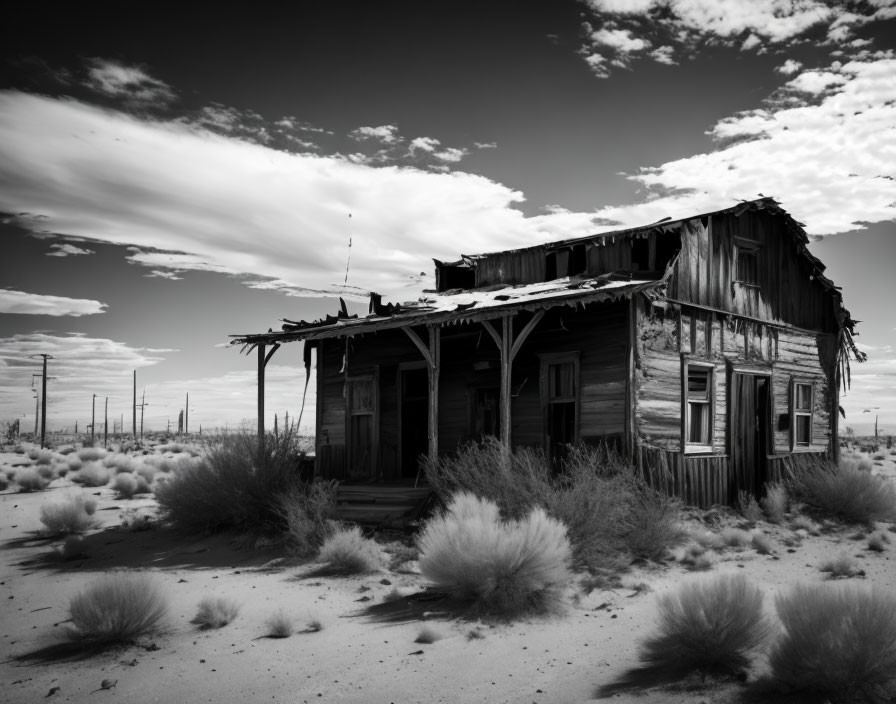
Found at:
[353, 657]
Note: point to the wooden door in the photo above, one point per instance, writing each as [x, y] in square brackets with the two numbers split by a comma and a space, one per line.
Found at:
[749, 432]
[361, 412]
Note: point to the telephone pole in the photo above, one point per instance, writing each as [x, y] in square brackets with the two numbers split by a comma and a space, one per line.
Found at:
[93, 420]
[187, 416]
[106, 425]
[135, 405]
[43, 409]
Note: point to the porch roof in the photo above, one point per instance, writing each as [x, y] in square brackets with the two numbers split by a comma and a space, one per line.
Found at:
[458, 306]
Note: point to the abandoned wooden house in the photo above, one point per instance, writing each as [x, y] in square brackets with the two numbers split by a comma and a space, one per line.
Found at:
[709, 349]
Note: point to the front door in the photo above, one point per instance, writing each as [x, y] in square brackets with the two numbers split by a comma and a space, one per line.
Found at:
[750, 432]
[414, 385]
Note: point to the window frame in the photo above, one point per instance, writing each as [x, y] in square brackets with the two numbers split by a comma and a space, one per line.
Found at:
[795, 383]
[710, 402]
[752, 249]
[546, 361]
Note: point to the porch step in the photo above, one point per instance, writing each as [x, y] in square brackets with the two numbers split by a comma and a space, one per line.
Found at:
[380, 504]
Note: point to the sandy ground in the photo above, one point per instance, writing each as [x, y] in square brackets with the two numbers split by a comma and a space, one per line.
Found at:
[353, 658]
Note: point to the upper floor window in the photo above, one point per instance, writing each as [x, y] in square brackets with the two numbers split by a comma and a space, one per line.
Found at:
[746, 265]
[699, 402]
[801, 414]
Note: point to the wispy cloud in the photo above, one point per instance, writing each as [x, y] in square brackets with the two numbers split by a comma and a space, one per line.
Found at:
[130, 84]
[619, 32]
[23, 303]
[67, 250]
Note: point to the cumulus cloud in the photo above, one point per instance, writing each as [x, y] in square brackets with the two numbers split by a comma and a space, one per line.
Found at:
[627, 29]
[387, 134]
[191, 199]
[426, 144]
[67, 250]
[132, 84]
[789, 67]
[23, 303]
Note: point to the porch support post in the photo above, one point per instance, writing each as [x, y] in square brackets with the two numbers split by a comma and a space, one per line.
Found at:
[509, 349]
[261, 363]
[435, 353]
[432, 354]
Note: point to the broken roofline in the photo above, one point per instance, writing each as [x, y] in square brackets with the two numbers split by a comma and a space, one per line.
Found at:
[526, 297]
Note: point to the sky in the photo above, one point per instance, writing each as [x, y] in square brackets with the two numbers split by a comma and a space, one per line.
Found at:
[167, 180]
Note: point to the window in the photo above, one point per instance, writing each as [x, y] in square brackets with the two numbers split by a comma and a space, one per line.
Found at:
[802, 403]
[559, 389]
[699, 406]
[747, 262]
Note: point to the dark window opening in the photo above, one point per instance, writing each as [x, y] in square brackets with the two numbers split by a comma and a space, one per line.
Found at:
[668, 244]
[561, 391]
[550, 266]
[486, 417]
[747, 266]
[640, 254]
[449, 276]
[578, 260]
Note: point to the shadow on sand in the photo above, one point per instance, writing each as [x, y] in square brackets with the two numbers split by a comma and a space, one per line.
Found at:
[117, 547]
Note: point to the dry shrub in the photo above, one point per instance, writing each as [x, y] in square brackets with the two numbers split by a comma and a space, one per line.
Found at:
[506, 568]
[147, 472]
[233, 486]
[748, 507]
[29, 479]
[838, 641]
[846, 491]
[69, 516]
[91, 474]
[842, 566]
[215, 612]
[427, 635]
[73, 462]
[708, 626]
[279, 625]
[91, 454]
[735, 538]
[41, 457]
[125, 485]
[762, 544]
[774, 503]
[805, 523]
[135, 520]
[710, 541]
[878, 541]
[117, 608]
[610, 515]
[308, 510]
[346, 551]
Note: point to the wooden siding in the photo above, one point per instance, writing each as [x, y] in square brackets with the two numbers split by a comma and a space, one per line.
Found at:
[705, 272]
[698, 481]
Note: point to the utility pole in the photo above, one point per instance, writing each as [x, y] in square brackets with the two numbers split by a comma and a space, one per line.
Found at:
[92, 420]
[36, 404]
[106, 425]
[43, 409]
[187, 416]
[142, 404]
[135, 405]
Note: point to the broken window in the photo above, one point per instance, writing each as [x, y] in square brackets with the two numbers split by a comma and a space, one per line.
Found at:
[640, 254]
[699, 405]
[802, 402]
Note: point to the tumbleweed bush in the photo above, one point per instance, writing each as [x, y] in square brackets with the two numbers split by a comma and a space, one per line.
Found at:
[346, 551]
[838, 640]
[846, 491]
[505, 568]
[710, 626]
[69, 516]
[118, 607]
[215, 612]
[233, 486]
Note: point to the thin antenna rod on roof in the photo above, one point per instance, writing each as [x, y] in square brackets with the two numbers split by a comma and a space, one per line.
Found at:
[348, 259]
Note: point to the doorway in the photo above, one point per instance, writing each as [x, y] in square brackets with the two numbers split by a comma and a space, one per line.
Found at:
[750, 430]
[414, 411]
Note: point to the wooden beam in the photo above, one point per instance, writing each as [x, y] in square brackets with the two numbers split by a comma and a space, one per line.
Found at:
[524, 333]
[424, 350]
[271, 353]
[489, 328]
[261, 362]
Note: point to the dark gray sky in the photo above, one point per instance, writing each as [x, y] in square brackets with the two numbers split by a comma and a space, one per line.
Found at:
[207, 167]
